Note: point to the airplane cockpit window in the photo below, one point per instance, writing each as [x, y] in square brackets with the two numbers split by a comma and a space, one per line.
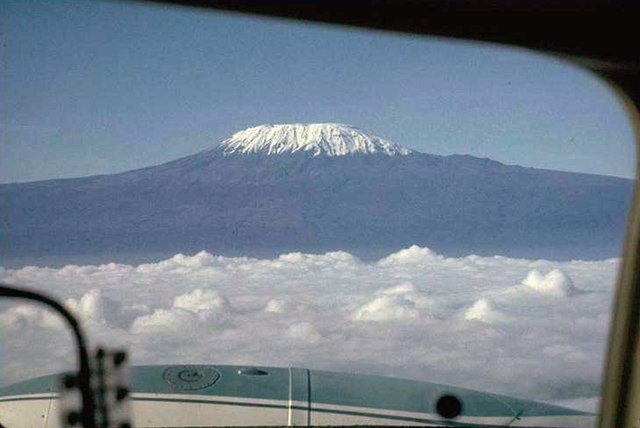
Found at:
[288, 223]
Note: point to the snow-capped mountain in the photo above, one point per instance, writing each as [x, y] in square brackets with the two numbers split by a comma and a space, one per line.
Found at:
[278, 188]
[319, 139]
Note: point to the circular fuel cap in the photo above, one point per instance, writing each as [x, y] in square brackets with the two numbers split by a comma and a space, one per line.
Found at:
[190, 378]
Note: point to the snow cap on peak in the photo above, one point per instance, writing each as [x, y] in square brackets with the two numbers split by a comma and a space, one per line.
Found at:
[326, 139]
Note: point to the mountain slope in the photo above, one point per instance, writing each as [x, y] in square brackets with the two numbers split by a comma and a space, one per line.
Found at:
[262, 196]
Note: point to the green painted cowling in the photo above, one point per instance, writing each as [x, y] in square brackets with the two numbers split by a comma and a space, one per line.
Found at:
[205, 395]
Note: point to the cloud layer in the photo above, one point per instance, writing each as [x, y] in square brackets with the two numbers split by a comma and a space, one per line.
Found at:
[529, 328]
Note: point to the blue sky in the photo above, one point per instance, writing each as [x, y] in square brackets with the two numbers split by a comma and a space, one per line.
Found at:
[90, 88]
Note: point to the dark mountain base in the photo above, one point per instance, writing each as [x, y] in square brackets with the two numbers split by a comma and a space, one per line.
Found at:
[369, 205]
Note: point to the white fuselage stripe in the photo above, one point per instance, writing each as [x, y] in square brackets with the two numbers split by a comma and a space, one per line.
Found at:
[290, 403]
[41, 396]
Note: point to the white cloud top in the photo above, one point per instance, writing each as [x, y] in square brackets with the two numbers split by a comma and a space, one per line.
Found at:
[201, 300]
[555, 283]
[483, 310]
[401, 302]
[470, 321]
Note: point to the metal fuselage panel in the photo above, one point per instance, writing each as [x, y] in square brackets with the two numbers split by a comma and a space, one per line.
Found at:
[203, 396]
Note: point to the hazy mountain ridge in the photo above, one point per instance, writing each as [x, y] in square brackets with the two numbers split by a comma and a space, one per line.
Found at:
[369, 203]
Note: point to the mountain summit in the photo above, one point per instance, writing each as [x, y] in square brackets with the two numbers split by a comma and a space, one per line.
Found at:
[314, 188]
[318, 139]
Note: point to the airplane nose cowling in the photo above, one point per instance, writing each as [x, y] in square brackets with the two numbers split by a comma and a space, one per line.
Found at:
[205, 396]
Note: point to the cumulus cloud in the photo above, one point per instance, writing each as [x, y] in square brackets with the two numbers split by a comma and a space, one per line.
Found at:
[94, 306]
[470, 321]
[201, 300]
[483, 310]
[305, 332]
[410, 256]
[554, 283]
[276, 306]
[166, 320]
[24, 316]
[401, 302]
[190, 311]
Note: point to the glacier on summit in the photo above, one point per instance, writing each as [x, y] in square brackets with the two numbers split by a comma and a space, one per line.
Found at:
[327, 139]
